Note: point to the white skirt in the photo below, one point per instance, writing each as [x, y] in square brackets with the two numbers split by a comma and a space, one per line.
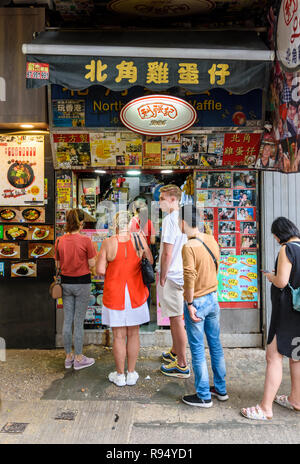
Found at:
[127, 317]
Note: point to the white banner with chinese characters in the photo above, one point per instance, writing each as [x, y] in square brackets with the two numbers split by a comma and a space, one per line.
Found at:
[22, 170]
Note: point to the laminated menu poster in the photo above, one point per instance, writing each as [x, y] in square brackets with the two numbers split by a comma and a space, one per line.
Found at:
[103, 149]
[22, 170]
[152, 154]
[63, 192]
[72, 150]
[129, 149]
[238, 278]
[170, 154]
[40, 250]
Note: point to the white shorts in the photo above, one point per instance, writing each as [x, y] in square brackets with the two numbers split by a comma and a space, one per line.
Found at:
[170, 299]
[127, 317]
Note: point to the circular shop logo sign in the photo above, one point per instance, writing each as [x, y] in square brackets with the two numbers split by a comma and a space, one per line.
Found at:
[288, 34]
[158, 115]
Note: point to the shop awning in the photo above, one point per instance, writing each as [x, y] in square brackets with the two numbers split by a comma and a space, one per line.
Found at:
[198, 61]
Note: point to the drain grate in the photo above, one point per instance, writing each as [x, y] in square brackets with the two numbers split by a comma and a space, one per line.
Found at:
[66, 415]
[14, 427]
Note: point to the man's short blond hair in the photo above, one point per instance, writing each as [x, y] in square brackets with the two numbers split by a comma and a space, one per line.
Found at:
[172, 191]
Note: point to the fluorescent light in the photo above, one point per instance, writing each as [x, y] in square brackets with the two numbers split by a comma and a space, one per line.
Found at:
[133, 172]
[27, 126]
[100, 171]
[166, 171]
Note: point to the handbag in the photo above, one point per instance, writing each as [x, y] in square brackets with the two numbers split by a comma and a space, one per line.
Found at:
[146, 267]
[295, 297]
[295, 294]
[55, 288]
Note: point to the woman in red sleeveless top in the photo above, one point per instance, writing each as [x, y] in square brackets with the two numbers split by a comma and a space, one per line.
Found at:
[124, 296]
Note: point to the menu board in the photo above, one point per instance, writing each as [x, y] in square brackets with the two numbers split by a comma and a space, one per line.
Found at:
[238, 278]
[22, 170]
[228, 201]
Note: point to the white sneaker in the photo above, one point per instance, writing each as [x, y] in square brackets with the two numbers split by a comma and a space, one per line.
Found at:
[117, 379]
[132, 378]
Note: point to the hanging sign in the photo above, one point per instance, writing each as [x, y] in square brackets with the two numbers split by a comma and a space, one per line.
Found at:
[288, 34]
[158, 115]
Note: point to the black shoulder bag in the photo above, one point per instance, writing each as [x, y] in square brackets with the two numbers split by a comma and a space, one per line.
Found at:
[209, 251]
[146, 267]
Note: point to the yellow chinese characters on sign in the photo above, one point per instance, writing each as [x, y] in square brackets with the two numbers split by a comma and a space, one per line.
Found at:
[218, 70]
[127, 70]
[188, 73]
[96, 71]
[158, 73]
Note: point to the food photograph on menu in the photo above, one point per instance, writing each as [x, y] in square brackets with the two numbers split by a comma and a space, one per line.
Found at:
[21, 214]
[40, 232]
[24, 269]
[9, 250]
[17, 232]
[40, 250]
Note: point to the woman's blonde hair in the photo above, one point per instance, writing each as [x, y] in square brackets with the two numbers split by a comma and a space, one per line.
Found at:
[121, 220]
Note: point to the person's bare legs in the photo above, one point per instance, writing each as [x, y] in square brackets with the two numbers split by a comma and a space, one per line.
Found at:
[273, 377]
[294, 397]
[133, 346]
[179, 339]
[119, 348]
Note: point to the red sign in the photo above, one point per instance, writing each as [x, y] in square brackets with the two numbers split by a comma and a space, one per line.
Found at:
[71, 138]
[241, 149]
[37, 71]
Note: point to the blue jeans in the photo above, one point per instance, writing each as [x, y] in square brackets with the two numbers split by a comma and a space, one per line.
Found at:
[209, 311]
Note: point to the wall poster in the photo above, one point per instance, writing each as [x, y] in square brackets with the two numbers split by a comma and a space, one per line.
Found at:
[227, 201]
[22, 173]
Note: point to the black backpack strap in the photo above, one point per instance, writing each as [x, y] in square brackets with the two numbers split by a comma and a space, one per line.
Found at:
[209, 251]
[136, 244]
[140, 242]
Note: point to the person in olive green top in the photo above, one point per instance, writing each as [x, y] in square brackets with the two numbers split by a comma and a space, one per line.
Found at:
[201, 256]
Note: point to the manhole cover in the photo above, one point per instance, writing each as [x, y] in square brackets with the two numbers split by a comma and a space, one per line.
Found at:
[66, 415]
[14, 427]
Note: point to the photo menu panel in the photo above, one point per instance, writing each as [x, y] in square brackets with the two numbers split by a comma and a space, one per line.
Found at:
[228, 204]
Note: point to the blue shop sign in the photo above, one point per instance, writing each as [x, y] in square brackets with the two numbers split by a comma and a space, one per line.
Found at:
[100, 107]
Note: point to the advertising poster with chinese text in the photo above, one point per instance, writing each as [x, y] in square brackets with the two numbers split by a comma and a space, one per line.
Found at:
[129, 149]
[241, 149]
[68, 113]
[238, 279]
[22, 173]
[103, 149]
[72, 150]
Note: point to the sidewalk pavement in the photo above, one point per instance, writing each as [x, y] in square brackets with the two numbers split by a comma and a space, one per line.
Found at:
[60, 406]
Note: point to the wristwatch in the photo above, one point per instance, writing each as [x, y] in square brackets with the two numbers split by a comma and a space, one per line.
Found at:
[190, 304]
